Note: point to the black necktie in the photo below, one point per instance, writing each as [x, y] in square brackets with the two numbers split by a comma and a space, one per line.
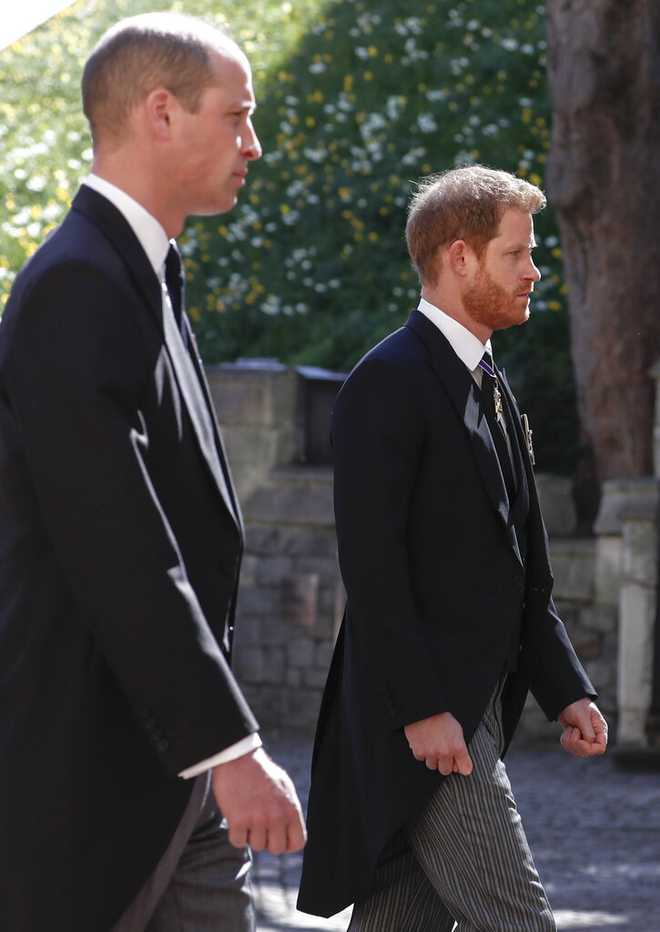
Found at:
[494, 412]
[175, 283]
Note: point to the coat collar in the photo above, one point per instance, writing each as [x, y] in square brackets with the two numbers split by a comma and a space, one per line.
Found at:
[106, 217]
[111, 222]
[465, 397]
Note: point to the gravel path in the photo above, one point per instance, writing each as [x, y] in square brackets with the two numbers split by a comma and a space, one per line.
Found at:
[594, 830]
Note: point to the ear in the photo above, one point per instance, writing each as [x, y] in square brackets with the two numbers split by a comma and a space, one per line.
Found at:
[460, 258]
[158, 108]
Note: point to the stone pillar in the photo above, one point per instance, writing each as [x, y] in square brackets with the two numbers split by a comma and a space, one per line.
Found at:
[259, 409]
[655, 374]
[637, 508]
[637, 613]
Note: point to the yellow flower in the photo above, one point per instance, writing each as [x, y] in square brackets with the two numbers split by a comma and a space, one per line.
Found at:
[368, 76]
[344, 194]
[348, 83]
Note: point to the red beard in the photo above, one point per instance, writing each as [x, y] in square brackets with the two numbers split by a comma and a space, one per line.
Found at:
[491, 305]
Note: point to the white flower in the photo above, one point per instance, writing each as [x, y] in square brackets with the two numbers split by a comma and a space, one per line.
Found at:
[272, 305]
[413, 157]
[317, 67]
[315, 155]
[426, 123]
[37, 183]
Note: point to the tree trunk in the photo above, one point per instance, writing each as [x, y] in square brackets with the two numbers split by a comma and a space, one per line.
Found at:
[604, 182]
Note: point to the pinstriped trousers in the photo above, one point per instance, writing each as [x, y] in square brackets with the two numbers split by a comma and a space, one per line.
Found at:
[468, 866]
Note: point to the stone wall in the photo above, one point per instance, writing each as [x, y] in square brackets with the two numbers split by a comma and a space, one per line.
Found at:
[291, 597]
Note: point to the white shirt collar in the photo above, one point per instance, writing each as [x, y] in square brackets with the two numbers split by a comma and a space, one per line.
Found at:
[148, 230]
[467, 347]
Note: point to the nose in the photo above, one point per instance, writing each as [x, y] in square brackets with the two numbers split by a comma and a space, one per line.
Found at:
[533, 273]
[251, 145]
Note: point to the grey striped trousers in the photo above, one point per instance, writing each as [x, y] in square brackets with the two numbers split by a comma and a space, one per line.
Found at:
[468, 860]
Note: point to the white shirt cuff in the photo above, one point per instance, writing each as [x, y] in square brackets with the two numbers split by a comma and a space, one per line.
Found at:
[242, 747]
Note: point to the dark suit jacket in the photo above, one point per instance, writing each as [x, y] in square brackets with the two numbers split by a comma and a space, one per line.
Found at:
[120, 547]
[436, 588]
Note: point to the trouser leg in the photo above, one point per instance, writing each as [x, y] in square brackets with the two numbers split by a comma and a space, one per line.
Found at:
[201, 882]
[472, 847]
[401, 900]
[210, 889]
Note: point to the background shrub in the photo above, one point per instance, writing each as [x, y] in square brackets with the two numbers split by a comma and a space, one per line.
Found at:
[357, 100]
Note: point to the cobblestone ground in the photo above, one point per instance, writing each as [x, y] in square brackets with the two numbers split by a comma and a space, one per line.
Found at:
[594, 830]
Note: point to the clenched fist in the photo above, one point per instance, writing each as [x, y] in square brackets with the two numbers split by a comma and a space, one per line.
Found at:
[260, 804]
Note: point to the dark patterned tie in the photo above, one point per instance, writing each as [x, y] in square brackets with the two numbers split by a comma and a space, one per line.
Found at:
[490, 393]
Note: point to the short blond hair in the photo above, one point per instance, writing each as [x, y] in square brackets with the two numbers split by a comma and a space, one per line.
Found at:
[463, 203]
[141, 53]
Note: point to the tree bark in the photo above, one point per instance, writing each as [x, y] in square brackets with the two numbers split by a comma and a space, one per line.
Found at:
[604, 182]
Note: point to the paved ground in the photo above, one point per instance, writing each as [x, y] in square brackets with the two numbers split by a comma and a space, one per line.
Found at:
[594, 829]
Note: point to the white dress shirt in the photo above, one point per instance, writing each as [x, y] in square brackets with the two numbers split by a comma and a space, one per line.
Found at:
[154, 241]
[467, 347]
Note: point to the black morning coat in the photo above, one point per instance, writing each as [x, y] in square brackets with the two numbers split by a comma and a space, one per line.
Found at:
[436, 589]
[120, 545]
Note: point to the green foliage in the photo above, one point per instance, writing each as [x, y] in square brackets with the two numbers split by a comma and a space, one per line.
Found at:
[357, 100]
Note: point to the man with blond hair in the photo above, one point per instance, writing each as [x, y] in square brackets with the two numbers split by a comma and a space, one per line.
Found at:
[450, 619]
[133, 777]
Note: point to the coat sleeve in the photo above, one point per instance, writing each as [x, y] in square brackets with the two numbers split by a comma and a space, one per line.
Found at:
[557, 678]
[74, 374]
[378, 435]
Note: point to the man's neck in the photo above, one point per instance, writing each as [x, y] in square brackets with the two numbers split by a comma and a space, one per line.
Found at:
[125, 174]
[452, 305]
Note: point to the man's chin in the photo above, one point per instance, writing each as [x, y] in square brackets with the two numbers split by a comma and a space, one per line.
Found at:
[220, 207]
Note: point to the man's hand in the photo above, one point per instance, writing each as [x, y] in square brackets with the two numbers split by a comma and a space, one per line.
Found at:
[585, 729]
[439, 741]
[260, 804]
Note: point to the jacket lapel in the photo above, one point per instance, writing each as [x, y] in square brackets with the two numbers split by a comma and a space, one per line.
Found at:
[537, 544]
[118, 231]
[464, 395]
[115, 227]
[224, 480]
